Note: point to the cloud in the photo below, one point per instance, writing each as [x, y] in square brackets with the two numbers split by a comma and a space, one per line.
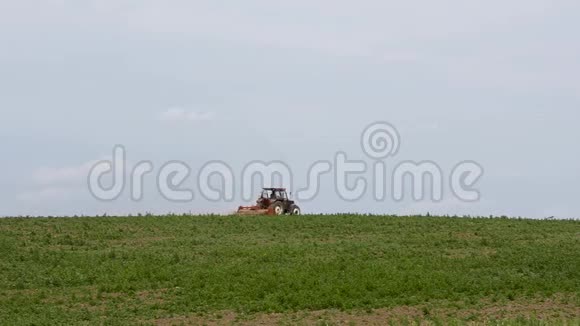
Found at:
[50, 193]
[60, 183]
[180, 114]
[64, 175]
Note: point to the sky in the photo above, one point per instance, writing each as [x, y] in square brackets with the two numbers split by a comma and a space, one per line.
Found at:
[495, 82]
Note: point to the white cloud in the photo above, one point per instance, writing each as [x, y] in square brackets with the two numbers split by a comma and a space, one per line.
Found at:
[64, 175]
[181, 114]
[59, 183]
[50, 193]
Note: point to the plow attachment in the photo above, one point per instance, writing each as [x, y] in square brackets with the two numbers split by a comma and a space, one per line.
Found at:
[254, 210]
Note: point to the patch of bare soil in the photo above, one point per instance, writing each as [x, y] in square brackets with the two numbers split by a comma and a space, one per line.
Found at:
[138, 242]
[153, 297]
[557, 308]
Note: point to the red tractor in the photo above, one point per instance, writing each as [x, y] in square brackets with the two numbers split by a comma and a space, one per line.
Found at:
[273, 201]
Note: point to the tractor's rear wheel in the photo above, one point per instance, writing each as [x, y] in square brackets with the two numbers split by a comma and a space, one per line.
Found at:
[295, 210]
[277, 208]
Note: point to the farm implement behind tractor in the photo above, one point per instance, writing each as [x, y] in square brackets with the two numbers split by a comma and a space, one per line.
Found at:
[273, 201]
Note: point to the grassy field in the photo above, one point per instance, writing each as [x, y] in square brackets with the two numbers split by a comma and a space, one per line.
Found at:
[339, 269]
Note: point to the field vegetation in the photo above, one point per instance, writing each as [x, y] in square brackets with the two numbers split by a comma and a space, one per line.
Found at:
[339, 269]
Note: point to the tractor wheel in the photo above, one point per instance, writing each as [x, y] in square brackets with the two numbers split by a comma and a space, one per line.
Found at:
[295, 210]
[277, 208]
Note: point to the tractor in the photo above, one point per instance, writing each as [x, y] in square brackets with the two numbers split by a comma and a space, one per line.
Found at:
[273, 201]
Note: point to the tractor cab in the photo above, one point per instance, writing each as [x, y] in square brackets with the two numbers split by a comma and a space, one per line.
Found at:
[274, 194]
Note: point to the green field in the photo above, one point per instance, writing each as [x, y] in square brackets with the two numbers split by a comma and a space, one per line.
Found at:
[341, 269]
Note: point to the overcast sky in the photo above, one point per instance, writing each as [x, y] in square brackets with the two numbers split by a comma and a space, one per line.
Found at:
[497, 82]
